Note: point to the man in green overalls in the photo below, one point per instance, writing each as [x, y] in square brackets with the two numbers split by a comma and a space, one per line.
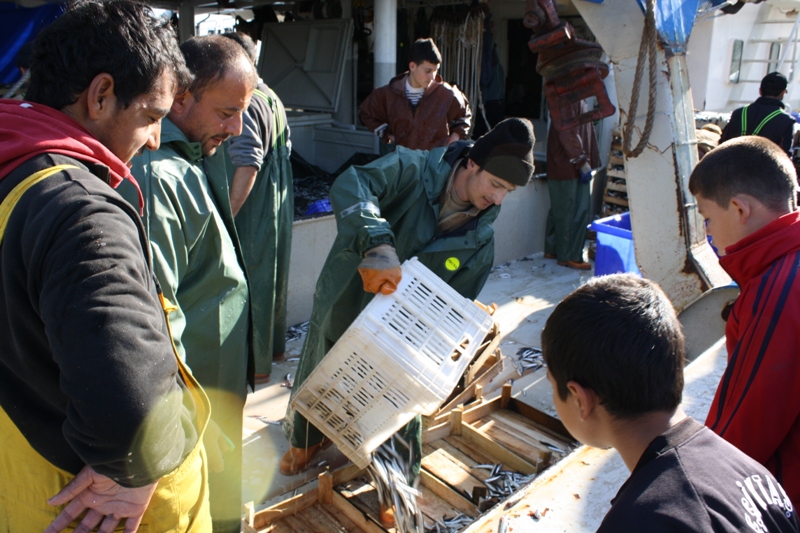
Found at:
[262, 201]
[196, 254]
[439, 206]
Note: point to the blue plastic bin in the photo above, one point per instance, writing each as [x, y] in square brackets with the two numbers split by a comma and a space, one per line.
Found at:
[615, 251]
[320, 206]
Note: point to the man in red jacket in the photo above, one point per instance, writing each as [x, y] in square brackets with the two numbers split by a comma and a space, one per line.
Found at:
[745, 189]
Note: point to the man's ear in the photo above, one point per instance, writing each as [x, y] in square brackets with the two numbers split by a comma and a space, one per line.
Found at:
[584, 399]
[181, 102]
[743, 207]
[100, 97]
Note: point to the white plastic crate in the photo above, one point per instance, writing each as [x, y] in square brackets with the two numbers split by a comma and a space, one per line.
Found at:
[402, 356]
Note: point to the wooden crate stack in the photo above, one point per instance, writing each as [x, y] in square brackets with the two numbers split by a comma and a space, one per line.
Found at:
[615, 198]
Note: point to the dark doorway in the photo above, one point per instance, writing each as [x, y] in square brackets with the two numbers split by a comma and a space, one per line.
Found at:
[523, 83]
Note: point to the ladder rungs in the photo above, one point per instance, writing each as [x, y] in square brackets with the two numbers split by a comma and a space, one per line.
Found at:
[614, 173]
[613, 200]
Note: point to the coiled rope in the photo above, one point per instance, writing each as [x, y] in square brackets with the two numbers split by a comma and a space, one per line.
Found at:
[648, 46]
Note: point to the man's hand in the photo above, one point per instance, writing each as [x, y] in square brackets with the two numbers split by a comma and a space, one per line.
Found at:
[389, 138]
[380, 270]
[107, 502]
[453, 138]
[216, 442]
[586, 173]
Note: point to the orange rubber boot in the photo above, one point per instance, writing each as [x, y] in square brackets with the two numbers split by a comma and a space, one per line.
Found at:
[297, 460]
[387, 516]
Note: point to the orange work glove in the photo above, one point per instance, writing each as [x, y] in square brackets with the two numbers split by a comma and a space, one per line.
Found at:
[380, 270]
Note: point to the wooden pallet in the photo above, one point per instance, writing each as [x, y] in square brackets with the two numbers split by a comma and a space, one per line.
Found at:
[502, 431]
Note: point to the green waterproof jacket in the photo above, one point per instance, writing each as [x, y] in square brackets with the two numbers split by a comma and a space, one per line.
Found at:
[394, 200]
[196, 258]
[264, 223]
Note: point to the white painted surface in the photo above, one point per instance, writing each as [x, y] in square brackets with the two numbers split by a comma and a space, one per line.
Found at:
[311, 242]
[385, 35]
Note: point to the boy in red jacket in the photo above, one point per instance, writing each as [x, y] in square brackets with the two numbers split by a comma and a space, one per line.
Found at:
[746, 191]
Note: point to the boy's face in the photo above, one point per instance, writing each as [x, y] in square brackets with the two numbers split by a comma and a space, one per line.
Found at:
[569, 414]
[723, 224]
[422, 75]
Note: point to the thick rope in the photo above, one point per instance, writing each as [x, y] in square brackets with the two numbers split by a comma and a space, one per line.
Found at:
[460, 44]
[648, 46]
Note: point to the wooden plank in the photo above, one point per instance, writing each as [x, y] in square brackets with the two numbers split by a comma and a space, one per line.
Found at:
[497, 451]
[433, 507]
[473, 451]
[471, 414]
[536, 429]
[441, 465]
[298, 525]
[615, 160]
[543, 419]
[337, 516]
[505, 396]
[364, 499]
[437, 432]
[619, 187]
[447, 494]
[285, 508]
[523, 428]
[613, 200]
[355, 515]
[325, 488]
[483, 358]
[455, 420]
[346, 473]
[470, 391]
[249, 516]
[278, 527]
[463, 461]
[316, 521]
[511, 441]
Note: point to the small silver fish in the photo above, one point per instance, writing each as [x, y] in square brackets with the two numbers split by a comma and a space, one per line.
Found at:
[502, 527]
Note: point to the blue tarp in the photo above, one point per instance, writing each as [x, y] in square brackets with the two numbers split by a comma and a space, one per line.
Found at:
[19, 25]
[674, 21]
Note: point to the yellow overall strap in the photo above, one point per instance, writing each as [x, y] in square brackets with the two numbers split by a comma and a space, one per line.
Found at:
[16, 193]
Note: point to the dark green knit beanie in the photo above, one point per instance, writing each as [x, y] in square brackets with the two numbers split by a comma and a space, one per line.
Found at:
[507, 151]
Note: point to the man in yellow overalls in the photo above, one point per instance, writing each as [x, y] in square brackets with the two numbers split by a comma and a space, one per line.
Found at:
[99, 421]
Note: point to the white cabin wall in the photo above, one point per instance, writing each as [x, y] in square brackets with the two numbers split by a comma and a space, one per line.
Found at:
[701, 69]
[709, 56]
